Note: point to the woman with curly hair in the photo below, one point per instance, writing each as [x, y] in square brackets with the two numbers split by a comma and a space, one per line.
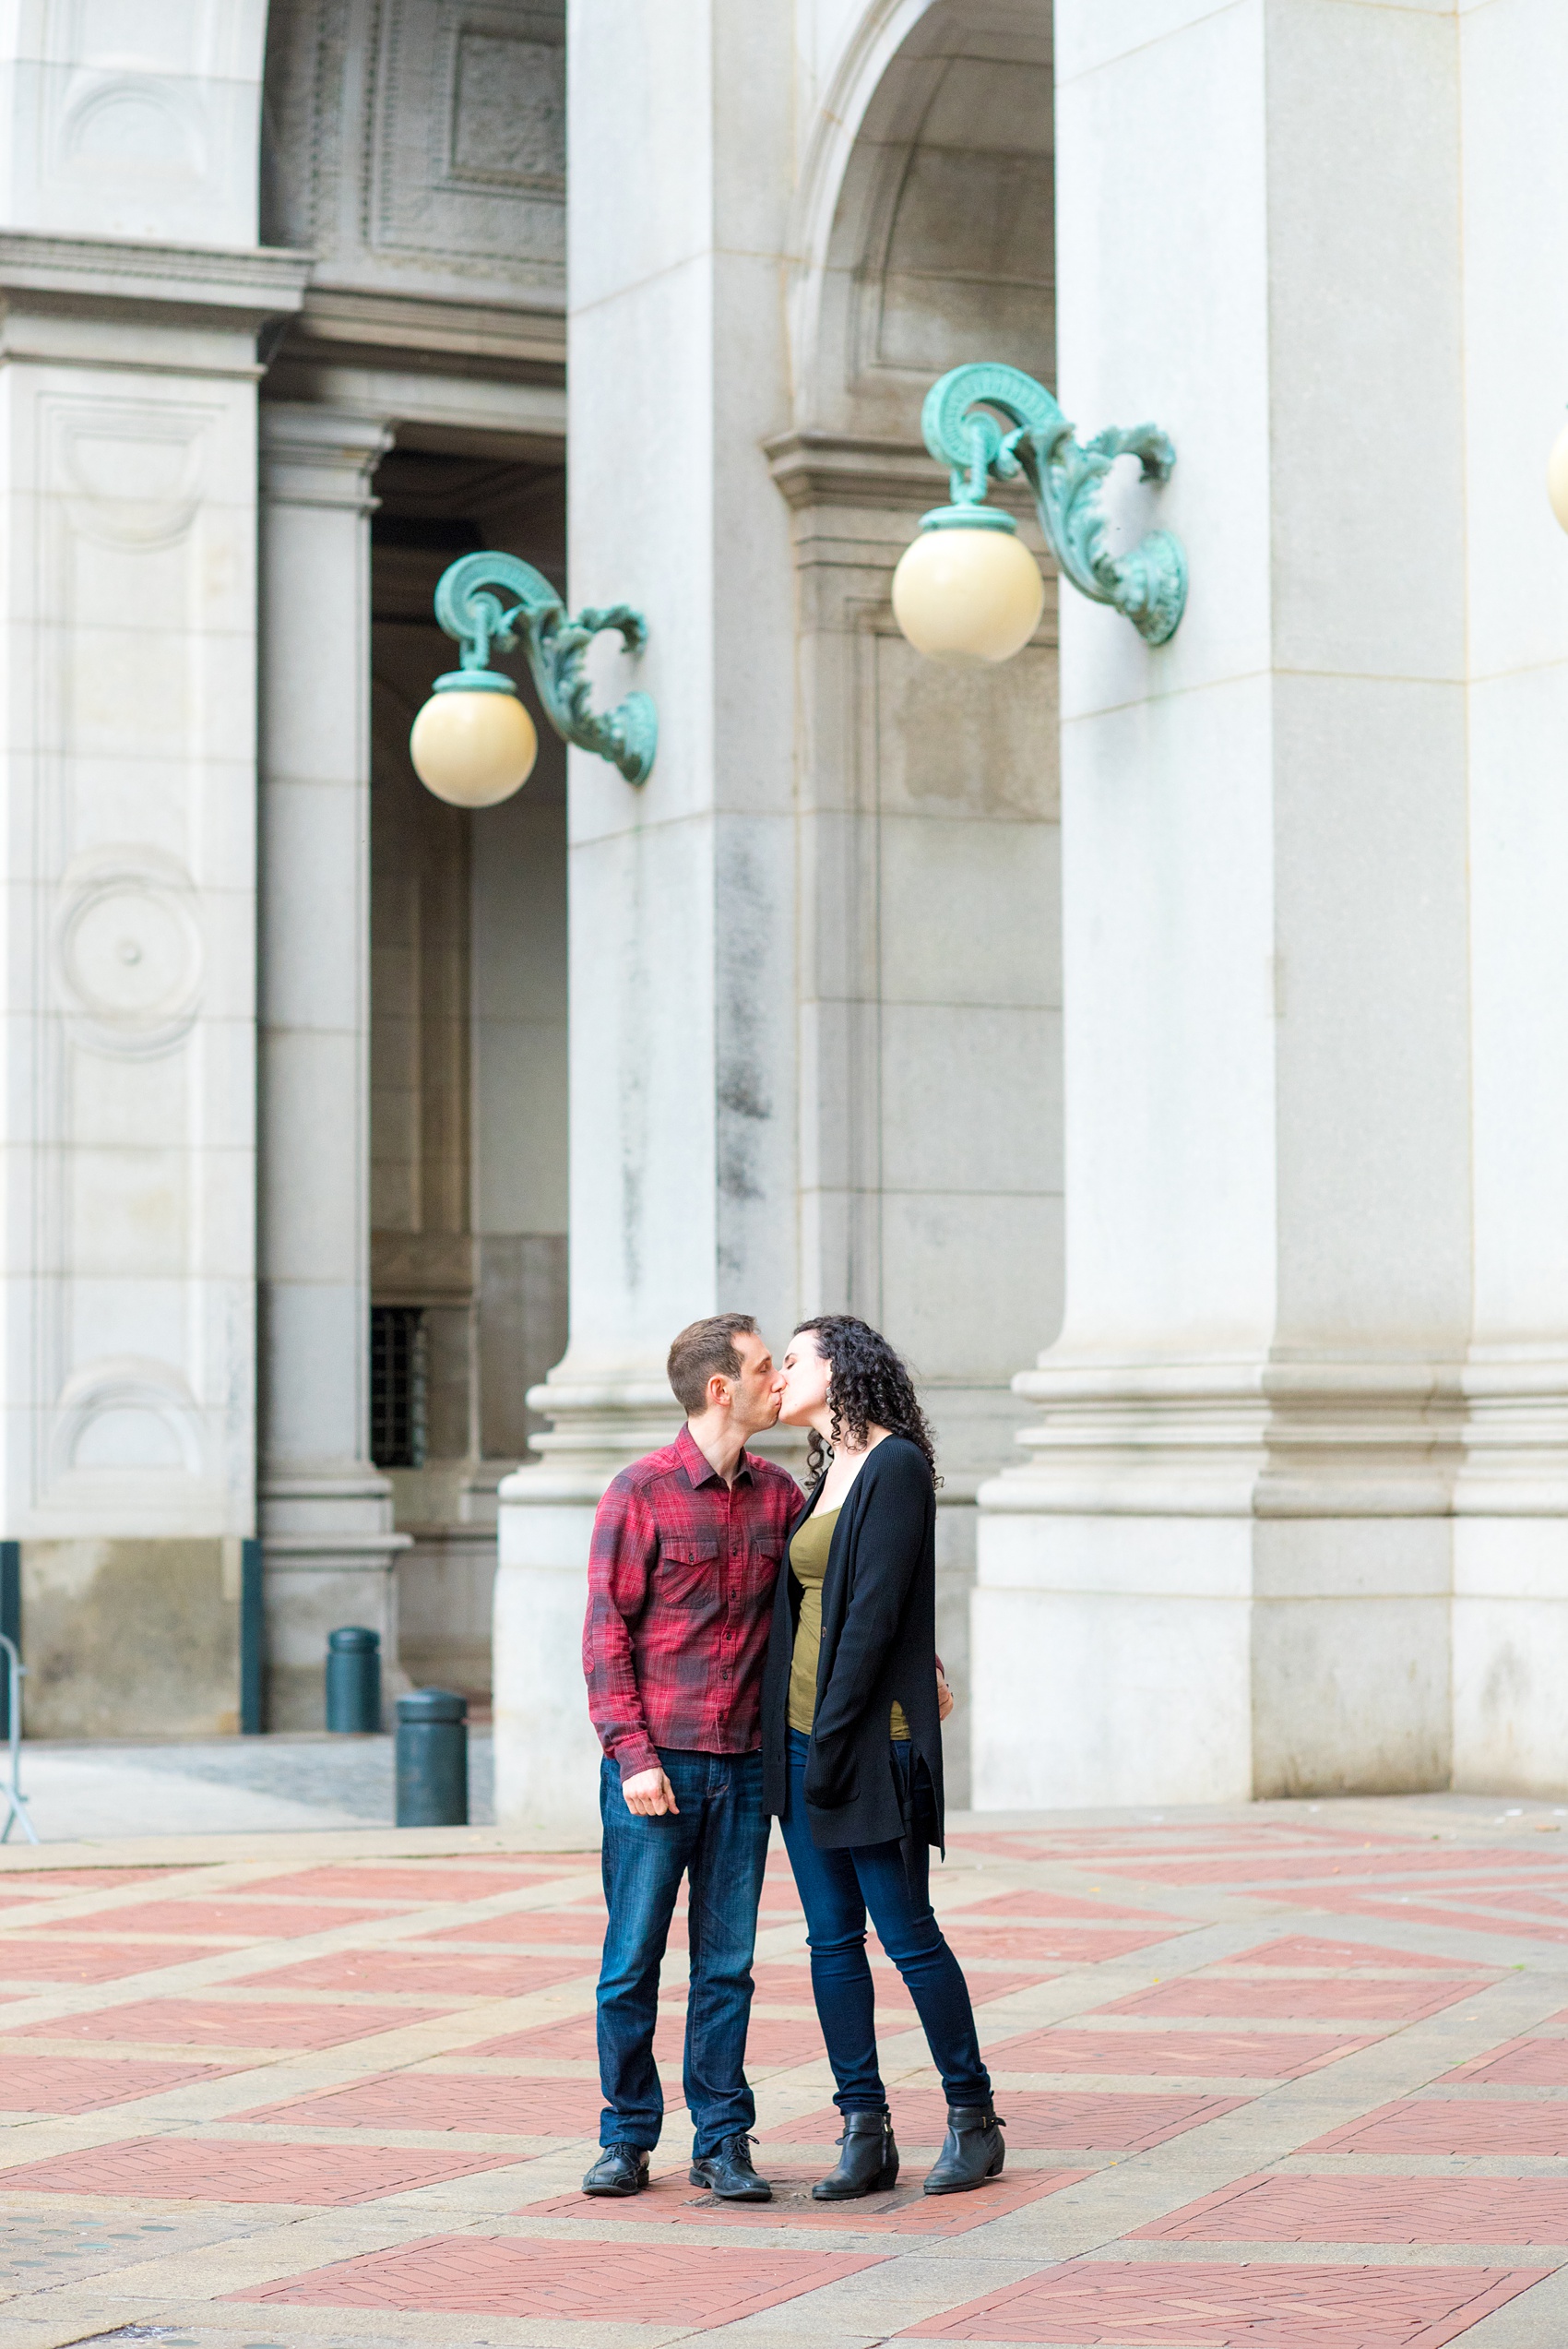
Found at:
[852, 1748]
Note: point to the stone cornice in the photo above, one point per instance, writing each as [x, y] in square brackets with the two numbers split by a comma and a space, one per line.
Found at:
[838, 469]
[503, 336]
[235, 286]
[835, 469]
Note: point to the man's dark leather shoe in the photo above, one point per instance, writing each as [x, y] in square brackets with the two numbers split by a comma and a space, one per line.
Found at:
[869, 2162]
[971, 2153]
[620, 2169]
[729, 2173]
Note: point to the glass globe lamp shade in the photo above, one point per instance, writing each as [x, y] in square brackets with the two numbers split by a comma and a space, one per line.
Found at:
[967, 590]
[1557, 477]
[473, 742]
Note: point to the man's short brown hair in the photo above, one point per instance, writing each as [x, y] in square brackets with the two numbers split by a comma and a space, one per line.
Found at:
[706, 1350]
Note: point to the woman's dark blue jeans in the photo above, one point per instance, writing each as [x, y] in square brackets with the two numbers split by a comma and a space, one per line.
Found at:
[890, 1879]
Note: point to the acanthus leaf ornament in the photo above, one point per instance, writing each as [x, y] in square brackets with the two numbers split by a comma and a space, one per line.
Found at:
[555, 645]
[959, 425]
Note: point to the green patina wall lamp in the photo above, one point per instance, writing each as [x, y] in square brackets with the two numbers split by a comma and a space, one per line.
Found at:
[967, 590]
[474, 744]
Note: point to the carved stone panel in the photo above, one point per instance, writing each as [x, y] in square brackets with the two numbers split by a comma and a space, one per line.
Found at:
[422, 143]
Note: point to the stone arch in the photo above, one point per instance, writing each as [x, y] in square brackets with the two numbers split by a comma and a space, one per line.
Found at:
[923, 237]
[924, 222]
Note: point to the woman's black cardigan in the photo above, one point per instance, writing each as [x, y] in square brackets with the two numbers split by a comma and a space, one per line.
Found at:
[878, 1643]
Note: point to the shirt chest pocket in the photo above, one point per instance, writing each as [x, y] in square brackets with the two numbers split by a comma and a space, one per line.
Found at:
[688, 1572]
[763, 1562]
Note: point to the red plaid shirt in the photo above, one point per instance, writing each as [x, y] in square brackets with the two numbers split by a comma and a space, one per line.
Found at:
[681, 1577]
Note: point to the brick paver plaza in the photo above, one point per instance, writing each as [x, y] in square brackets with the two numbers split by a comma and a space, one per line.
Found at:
[1295, 2078]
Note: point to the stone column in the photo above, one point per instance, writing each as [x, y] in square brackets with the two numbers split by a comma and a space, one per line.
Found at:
[325, 1514]
[1511, 1537]
[681, 894]
[1226, 1569]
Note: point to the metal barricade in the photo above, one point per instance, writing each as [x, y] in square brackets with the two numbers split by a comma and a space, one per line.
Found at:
[15, 1800]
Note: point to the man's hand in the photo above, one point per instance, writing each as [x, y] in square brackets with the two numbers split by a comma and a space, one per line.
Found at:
[650, 1794]
[945, 1697]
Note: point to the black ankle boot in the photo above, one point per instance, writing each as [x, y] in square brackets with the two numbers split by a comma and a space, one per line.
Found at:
[869, 2162]
[971, 2152]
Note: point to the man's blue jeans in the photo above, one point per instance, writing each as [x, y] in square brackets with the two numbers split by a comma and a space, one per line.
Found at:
[719, 1838]
[890, 1879]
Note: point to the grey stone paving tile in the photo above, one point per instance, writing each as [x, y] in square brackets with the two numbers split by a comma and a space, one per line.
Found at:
[1537, 2320]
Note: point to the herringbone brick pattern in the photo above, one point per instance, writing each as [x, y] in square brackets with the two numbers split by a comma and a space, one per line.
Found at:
[422, 1883]
[1526, 2062]
[181, 2169]
[443, 1973]
[77, 2084]
[229, 2023]
[1365, 2000]
[536, 1928]
[1342, 1957]
[1201, 2055]
[1372, 2210]
[239, 1920]
[1453, 2124]
[653, 2284]
[1236, 2308]
[1056, 1908]
[1063, 1944]
[66, 1960]
[441, 2052]
[482, 2103]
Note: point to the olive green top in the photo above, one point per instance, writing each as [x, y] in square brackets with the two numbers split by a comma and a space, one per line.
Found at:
[808, 1557]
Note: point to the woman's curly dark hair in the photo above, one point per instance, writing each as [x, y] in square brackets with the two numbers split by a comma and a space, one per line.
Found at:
[869, 1387]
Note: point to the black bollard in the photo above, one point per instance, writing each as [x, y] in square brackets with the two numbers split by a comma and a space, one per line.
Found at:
[433, 1759]
[353, 1680]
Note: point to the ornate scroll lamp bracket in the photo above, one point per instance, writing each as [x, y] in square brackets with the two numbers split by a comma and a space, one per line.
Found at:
[554, 644]
[959, 422]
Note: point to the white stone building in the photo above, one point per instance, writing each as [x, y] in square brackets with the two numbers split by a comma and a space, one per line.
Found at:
[1185, 1022]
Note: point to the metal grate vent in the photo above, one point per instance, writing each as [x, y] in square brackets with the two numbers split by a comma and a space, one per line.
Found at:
[396, 1385]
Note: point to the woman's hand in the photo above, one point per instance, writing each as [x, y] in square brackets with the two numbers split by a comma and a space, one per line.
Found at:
[945, 1697]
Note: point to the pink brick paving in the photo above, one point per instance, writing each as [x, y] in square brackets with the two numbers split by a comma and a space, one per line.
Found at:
[1372, 2210]
[494, 2105]
[673, 2201]
[1471, 1920]
[582, 1928]
[444, 1973]
[1052, 1908]
[1038, 2121]
[483, 2276]
[771, 2040]
[1202, 2055]
[1338, 1957]
[422, 1883]
[1225, 2270]
[1235, 1999]
[238, 2022]
[1524, 2063]
[77, 2084]
[1453, 2124]
[211, 2170]
[1066, 1944]
[233, 1920]
[790, 1985]
[90, 1962]
[1263, 1869]
[1236, 2308]
[52, 1881]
